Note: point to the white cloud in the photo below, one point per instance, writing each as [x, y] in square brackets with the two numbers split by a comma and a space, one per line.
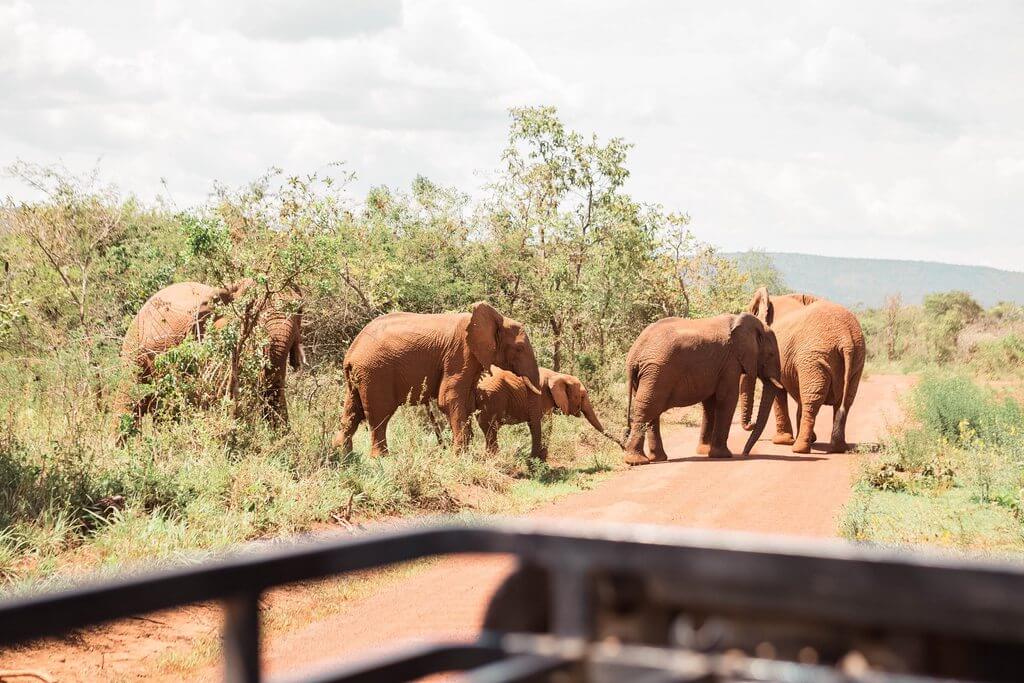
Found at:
[812, 126]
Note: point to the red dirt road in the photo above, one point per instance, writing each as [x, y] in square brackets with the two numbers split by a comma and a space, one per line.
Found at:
[771, 491]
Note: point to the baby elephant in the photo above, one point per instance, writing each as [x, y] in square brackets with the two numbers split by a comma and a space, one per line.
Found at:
[501, 399]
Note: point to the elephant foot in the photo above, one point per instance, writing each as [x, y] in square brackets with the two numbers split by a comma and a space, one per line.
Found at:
[783, 439]
[802, 447]
[840, 447]
[636, 459]
[719, 452]
[660, 456]
[703, 448]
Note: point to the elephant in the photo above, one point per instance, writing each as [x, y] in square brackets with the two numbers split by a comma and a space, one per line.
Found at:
[402, 358]
[178, 310]
[678, 362]
[502, 398]
[823, 352]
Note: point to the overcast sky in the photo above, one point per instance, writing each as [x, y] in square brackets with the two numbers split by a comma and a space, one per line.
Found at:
[875, 129]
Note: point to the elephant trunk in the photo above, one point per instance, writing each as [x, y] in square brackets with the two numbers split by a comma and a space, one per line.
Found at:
[747, 400]
[768, 392]
[591, 415]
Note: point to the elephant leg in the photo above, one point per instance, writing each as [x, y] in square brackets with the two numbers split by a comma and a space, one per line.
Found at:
[707, 426]
[640, 419]
[456, 408]
[838, 443]
[634, 444]
[352, 414]
[723, 410]
[809, 412]
[379, 437]
[723, 406]
[655, 446]
[783, 427]
[434, 423]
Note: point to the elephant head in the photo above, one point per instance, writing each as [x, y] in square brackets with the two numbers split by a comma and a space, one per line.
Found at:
[494, 339]
[758, 352]
[569, 395]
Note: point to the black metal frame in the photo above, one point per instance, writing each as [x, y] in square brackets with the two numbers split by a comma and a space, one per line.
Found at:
[605, 586]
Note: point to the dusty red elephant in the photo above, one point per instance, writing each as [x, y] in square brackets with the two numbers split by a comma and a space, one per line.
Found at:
[823, 353]
[413, 358]
[677, 362]
[503, 398]
[186, 308]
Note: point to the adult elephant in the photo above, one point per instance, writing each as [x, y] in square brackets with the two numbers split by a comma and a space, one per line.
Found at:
[502, 398]
[188, 308]
[677, 362]
[823, 352]
[413, 358]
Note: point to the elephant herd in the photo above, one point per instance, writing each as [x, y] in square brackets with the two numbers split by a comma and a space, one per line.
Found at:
[482, 363]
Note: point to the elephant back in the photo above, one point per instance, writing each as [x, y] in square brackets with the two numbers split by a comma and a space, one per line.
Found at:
[820, 325]
[165, 320]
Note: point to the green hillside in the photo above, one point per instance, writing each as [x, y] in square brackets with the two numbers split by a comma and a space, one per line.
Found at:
[867, 282]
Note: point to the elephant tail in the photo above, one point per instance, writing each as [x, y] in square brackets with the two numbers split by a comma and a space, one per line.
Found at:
[853, 366]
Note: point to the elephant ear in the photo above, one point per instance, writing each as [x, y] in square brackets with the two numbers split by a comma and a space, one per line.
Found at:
[559, 396]
[482, 333]
[745, 337]
[566, 391]
[761, 306]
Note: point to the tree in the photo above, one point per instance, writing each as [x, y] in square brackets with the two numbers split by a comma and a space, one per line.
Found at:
[893, 314]
[279, 234]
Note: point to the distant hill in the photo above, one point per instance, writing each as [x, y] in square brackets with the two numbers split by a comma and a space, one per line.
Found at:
[867, 282]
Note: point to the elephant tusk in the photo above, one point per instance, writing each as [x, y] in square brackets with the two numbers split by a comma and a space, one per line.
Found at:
[777, 383]
[531, 387]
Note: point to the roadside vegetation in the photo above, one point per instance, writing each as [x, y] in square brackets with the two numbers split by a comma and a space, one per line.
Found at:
[948, 329]
[952, 475]
[553, 240]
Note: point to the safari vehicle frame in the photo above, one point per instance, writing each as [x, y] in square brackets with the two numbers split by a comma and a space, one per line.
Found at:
[616, 603]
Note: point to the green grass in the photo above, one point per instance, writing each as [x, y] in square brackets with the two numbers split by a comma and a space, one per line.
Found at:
[952, 475]
[72, 501]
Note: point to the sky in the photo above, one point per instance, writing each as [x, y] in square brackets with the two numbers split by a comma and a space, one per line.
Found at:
[869, 129]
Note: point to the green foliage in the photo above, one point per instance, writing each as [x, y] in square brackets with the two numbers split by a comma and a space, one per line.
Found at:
[949, 328]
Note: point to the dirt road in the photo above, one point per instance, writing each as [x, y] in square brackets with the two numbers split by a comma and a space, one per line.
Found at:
[771, 491]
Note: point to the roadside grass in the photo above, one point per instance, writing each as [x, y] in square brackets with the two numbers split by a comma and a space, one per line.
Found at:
[74, 502]
[952, 475]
